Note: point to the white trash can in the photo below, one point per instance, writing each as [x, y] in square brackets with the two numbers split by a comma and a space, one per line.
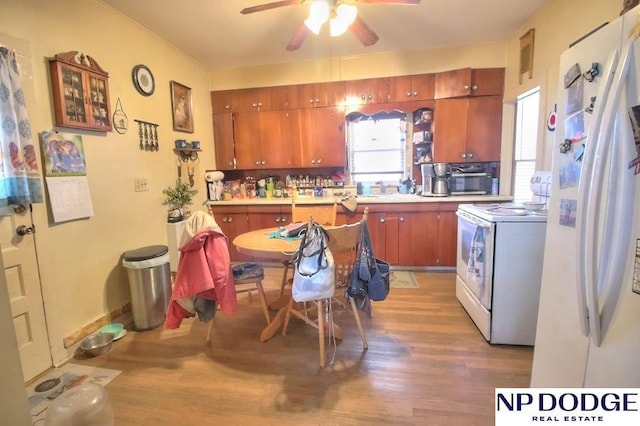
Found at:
[150, 285]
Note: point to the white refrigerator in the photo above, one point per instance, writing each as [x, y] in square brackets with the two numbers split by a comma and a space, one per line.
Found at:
[588, 330]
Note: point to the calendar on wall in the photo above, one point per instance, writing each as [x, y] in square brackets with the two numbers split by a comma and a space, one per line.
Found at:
[66, 176]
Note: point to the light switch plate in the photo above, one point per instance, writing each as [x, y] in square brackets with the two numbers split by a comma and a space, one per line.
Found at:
[141, 184]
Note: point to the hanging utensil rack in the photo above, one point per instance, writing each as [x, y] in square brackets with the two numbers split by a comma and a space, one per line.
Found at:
[148, 135]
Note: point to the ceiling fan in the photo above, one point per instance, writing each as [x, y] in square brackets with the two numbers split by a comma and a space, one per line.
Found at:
[341, 14]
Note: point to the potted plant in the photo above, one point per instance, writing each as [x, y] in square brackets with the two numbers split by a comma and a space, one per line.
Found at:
[177, 197]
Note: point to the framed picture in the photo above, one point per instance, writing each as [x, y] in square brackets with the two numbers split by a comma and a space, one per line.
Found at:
[181, 107]
[526, 54]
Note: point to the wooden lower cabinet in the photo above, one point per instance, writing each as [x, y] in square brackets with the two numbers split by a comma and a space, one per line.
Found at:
[414, 235]
[447, 235]
[234, 221]
[402, 234]
[268, 216]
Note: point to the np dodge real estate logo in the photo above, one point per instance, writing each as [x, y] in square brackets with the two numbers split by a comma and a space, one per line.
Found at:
[561, 406]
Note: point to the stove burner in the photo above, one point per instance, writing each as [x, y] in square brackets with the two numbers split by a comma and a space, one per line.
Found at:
[511, 211]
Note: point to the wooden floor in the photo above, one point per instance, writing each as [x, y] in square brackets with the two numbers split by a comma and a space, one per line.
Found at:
[427, 364]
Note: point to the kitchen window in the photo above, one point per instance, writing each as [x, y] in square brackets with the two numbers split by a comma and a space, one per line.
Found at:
[526, 137]
[377, 146]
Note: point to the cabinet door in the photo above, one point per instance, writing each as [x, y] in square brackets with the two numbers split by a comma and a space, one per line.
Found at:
[69, 96]
[484, 128]
[488, 81]
[447, 237]
[450, 130]
[98, 99]
[376, 222]
[418, 87]
[453, 84]
[334, 94]
[234, 221]
[223, 141]
[323, 137]
[284, 97]
[274, 141]
[261, 217]
[246, 130]
[254, 99]
[367, 91]
[423, 87]
[418, 238]
[291, 133]
[222, 101]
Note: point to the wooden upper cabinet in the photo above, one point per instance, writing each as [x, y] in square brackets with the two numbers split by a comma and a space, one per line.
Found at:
[484, 128]
[418, 87]
[222, 101]
[285, 97]
[367, 91]
[323, 137]
[317, 95]
[256, 99]
[467, 129]
[223, 141]
[469, 82]
[261, 139]
[80, 92]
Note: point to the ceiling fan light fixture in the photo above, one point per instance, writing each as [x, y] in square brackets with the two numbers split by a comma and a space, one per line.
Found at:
[345, 15]
[318, 15]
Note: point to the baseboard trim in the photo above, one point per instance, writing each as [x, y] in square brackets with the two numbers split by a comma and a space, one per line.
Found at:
[94, 326]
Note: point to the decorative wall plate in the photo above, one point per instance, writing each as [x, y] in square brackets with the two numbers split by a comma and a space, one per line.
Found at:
[143, 80]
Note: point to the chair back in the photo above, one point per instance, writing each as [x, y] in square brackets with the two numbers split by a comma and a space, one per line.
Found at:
[323, 214]
[344, 243]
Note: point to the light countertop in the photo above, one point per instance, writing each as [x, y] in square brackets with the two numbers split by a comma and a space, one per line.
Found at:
[367, 199]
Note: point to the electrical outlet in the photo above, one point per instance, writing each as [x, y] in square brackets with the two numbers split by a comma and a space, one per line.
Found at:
[141, 184]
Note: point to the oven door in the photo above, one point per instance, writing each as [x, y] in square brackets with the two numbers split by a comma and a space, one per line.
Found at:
[474, 265]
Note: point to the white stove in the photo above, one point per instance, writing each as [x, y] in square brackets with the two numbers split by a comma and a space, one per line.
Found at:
[499, 266]
[504, 212]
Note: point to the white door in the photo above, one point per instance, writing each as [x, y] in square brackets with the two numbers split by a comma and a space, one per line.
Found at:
[23, 284]
[19, 256]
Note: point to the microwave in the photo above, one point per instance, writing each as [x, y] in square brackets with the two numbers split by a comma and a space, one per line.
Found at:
[470, 183]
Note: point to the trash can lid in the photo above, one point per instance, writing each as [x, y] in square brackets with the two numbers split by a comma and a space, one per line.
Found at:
[144, 253]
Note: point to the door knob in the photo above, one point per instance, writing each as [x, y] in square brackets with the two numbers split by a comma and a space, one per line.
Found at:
[25, 230]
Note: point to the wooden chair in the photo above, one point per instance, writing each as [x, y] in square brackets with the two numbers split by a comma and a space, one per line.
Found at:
[324, 214]
[344, 243]
[247, 285]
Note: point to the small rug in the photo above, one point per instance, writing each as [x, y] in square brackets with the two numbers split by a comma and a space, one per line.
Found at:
[403, 279]
[42, 392]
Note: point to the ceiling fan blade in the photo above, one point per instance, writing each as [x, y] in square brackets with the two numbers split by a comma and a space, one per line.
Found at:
[363, 33]
[389, 1]
[268, 6]
[298, 37]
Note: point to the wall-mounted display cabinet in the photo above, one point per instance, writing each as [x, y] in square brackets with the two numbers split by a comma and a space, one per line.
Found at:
[80, 92]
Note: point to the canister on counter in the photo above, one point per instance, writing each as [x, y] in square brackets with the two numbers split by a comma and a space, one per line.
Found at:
[494, 186]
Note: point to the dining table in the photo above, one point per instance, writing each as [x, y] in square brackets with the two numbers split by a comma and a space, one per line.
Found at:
[266, 245]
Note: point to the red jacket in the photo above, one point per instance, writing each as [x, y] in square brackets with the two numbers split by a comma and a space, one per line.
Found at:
[204, 269]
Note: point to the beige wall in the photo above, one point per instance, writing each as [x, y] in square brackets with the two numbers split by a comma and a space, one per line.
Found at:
[355, 67]
[556, 26]
[82, 277]
[79, 261]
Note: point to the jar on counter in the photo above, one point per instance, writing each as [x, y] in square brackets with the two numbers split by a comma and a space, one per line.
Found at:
[226, 191]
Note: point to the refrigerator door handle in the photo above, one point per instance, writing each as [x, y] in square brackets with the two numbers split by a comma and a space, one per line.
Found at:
[613, 254]
[585, 215]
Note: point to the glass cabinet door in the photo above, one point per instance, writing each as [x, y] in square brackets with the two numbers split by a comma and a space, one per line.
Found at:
[98, 100]
[73, 105]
